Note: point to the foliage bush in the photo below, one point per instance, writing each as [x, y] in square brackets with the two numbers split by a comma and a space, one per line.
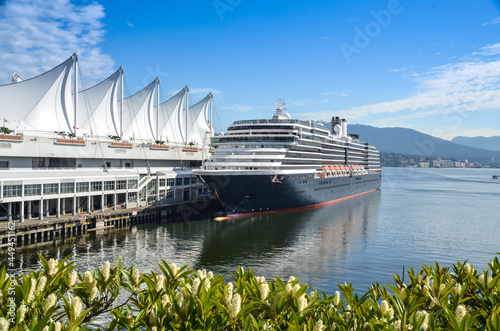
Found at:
[59, 298]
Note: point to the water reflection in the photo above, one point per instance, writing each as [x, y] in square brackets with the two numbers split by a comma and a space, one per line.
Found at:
[306, 244]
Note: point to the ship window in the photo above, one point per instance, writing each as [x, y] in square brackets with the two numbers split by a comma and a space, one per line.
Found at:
[178, 182]
[50, 188]
[82, 187]
[109, 185]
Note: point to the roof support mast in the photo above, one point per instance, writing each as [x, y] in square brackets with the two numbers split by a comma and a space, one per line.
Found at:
[75, 91]
[187, 111]
[157, 106]
[211, 101]
[121, 101]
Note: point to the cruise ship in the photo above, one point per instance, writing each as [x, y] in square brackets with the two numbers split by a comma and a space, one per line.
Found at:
[267, 165]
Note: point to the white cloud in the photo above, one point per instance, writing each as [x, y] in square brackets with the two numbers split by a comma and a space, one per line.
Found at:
[494, 21]
[492, 49]
[203, 91]
[130, 24]
[238, 108]
[37, 35]
[464, 86]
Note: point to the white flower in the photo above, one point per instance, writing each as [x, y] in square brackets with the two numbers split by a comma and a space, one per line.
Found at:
[135, 277]
[196, 284]
[52, 267]
[312, 295]
[319, 325]
[229, 294]
[235, 306]
[175, 269]
[302, 302]
[260, 280]
[291, 279]
[468, 268]
[202, 273]
[264, 290]
[22, 309]
[295, 288]
[41, 285]
[106, 268]
[77, 306]
[425, 323]
[460, 313]
[4, 324]
[384, 307]
[72, 279]
[87, 277]
[288, 289]
[206, 284]
[336, 300]
[210, 274]
[58, 326]
[160, 283]
[441, 288]
[130, 318]
[49, 302]
[31, 295]
[457, 288]
[93, 293]
[397, 325]
[165, 300]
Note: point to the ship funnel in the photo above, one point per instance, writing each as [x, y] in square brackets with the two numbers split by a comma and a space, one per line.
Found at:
[344, 128]
[336, 127]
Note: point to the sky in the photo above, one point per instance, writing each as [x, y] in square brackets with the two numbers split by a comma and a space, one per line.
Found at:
[428, 65]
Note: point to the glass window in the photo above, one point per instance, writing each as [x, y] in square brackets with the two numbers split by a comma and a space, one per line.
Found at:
[32, 189]
[50, 188]
[12, 191]
[67, 187]
[170, 182]
[170, 194]
[96, 186]
[82, 187]
[178, 182]
[109, 185]
[121, 184]
[162, 182]
[186, 181]
[132, 197]
[132, 183]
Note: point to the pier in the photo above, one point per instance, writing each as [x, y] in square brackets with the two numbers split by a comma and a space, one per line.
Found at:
[32, 231]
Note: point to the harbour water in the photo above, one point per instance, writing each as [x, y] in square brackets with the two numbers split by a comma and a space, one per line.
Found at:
[419, 216]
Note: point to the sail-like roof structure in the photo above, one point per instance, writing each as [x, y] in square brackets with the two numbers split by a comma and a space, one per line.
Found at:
[138, 114]
[98, 111]
[197, 122]
[46, 103]
[42, 103]
[171, 118]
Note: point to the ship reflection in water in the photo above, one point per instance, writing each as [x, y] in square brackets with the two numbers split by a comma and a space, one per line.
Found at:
[312, 245]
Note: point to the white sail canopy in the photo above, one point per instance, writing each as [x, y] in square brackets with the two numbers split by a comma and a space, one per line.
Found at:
[197, 122]
[138, 114]
[98, 111]
[171, 119]
[42, 103]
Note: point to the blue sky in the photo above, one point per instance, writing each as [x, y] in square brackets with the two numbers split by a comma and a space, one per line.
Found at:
[430, 65]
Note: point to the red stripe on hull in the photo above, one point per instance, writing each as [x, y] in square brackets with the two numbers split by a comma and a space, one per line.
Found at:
[288, 210]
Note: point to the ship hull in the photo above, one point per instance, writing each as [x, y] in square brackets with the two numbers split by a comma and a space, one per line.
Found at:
[252, 193]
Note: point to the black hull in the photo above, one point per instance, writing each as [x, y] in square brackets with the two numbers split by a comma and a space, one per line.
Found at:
[241, 194]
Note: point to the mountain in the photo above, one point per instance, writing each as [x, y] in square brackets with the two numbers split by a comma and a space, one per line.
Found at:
[412, 142]
[490, 143]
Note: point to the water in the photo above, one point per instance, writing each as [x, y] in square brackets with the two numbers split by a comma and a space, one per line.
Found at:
[418, 217]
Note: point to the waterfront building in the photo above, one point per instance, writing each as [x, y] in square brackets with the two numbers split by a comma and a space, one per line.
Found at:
[63, 152]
